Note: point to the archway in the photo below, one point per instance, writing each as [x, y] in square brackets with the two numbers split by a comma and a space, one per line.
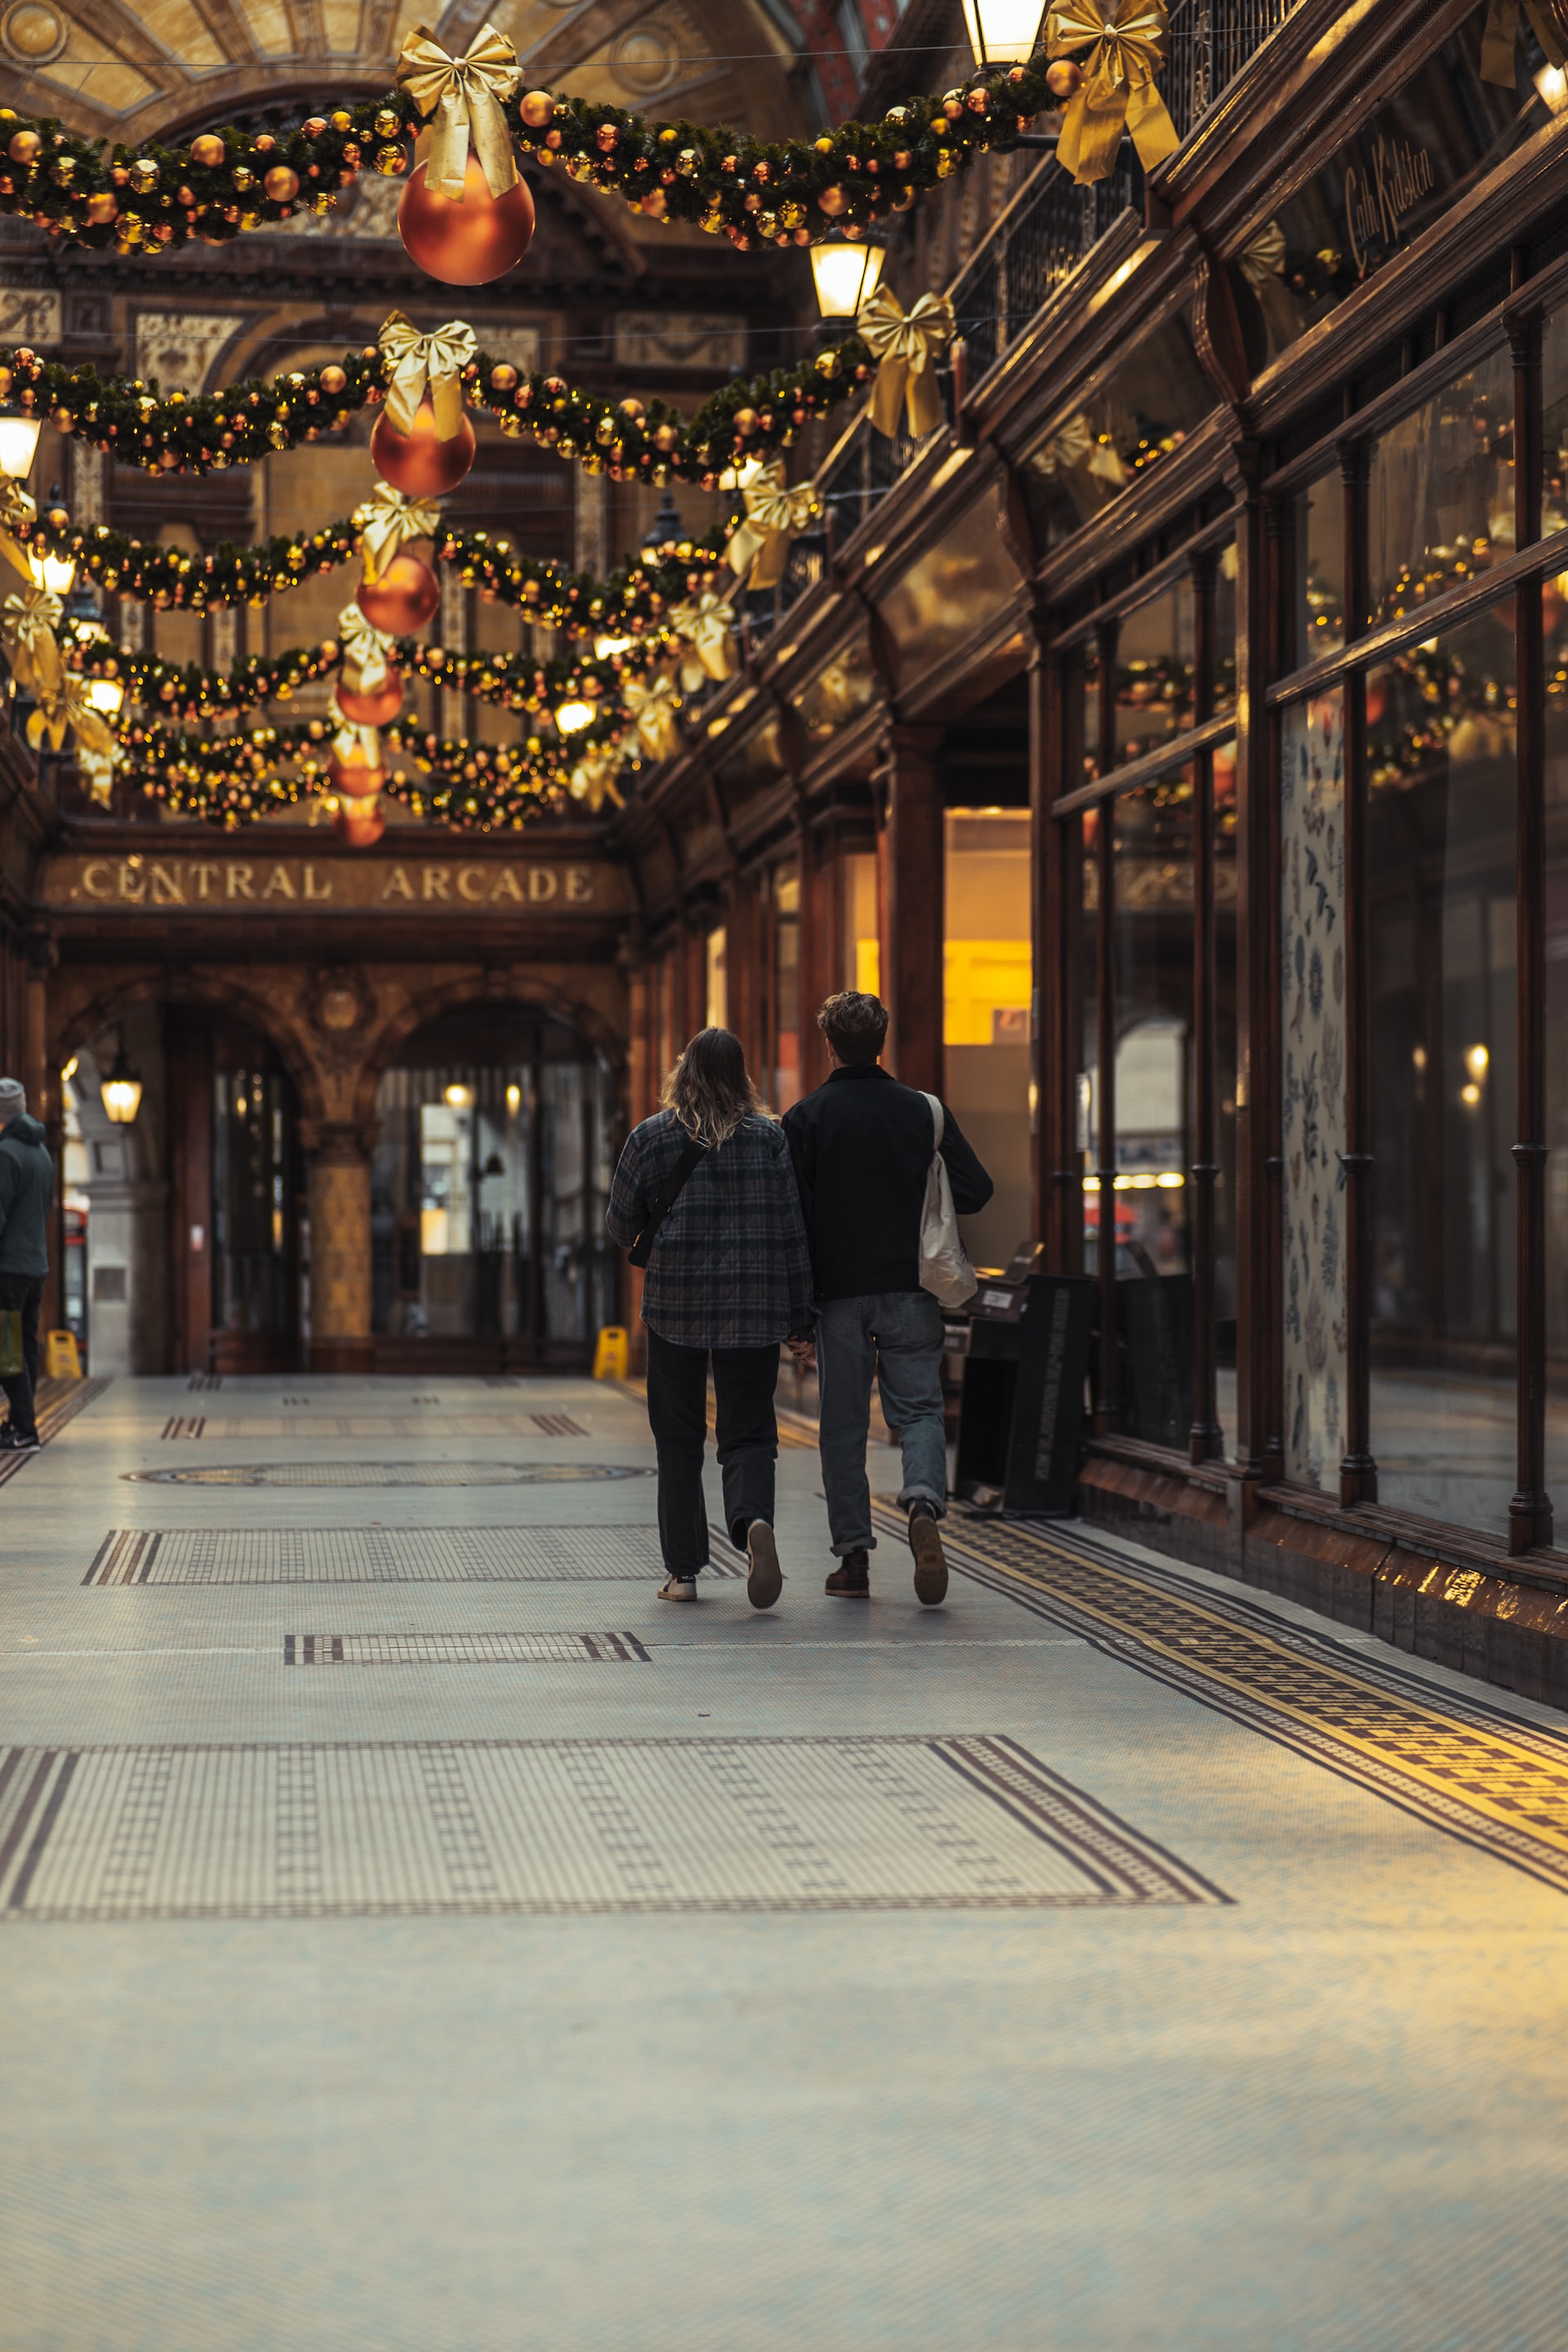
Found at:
[497, 1131]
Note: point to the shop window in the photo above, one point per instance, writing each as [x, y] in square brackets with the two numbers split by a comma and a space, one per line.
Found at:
[1154, 673]
[839, 693]
[252, 1135]
[1442, 973]
[1556, 1037]
[1226, 576]
[1440, 492]
[1152, 402]
[989, 977]
[947, 596]
[717, 977]
[860, 945]
[1087, 1084]
[786, 987]
[1555, 422]
[1093, 682]
[1318, 601]
[1224, 1083]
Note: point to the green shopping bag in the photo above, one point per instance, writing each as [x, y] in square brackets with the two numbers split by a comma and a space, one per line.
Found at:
[10, 1342]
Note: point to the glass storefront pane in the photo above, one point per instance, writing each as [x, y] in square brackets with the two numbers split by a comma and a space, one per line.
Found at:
[1153, 964]
[1092, 685]
[1146, 410]
[1226, 579]
[718, 987]
[1555, 422]
[860, 945]
[989, 976]
[1441, 883]
[1087, 1091]
[1556, 1029]
[1440, 494]
[1155, 674]
[252, 1135]
[1319, 601]
[1224, 895]
[1312, 1029]
[786, 987]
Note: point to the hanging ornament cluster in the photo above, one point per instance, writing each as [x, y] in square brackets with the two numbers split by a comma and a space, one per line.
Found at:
[181, 433]
[469, 217]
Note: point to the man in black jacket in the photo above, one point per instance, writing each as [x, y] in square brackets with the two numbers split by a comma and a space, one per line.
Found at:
[27, 1192]
[862, 1147]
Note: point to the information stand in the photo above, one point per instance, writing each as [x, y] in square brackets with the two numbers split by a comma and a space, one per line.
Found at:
[1021, 1417]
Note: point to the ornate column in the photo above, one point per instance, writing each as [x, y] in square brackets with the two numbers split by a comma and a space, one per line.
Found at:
[914, 951]
[337, 1157]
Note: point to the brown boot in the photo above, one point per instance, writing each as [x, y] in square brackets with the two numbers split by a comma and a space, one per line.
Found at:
[852, 1580]
[931, 1561]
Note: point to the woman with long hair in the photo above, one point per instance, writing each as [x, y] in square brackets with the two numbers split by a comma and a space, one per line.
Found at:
[706, 1191]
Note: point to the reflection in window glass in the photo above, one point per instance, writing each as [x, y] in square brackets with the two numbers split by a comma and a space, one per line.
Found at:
[1225, 630]
[1556, 1023]
[786, 987]
[717, 991]
[1312, 1096]
[1146, 410]
[1088, 1092]
[1554, 421]
[1153, 949]
[1224, 895]
[1092, 681]
[989, 976]
[1441, 880]
[860, 945]
[1155, 674]
[1440, 495]
[1319, 563]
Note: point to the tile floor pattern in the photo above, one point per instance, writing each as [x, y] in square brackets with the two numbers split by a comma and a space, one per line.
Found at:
[1112, 1960]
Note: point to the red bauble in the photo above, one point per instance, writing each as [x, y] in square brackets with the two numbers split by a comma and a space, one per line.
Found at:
[377, 710]
[361, 828]
[401, 599]
[469, 243]
[354, 779]
[419, 462]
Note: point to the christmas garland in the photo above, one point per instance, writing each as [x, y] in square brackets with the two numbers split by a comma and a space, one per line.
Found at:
[184, 433]
[637, 596]
[152, 199]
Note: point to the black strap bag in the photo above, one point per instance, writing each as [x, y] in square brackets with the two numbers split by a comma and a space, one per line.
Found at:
[664, 1200]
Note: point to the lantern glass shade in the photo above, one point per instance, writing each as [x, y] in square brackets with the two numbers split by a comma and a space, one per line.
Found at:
[55, 573]
[603, 648]
[19, 445]
[107, 695]
[846, 274]
[1002, 32]
[121, 1092]
[573, 717]
[458, 1096]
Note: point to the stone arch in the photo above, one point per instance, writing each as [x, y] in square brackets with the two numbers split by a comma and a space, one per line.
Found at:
[104, 1010]
[449, 996]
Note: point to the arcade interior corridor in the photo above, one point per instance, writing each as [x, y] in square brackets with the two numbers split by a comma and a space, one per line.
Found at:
[416, 1937]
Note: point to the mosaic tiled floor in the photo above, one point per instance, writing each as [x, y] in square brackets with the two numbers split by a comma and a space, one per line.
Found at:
[415, 1934]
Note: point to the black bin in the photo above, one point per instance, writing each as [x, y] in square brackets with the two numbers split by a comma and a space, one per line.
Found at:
[1021, 1416]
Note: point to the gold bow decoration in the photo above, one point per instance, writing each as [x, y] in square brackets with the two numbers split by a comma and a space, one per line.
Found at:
[593, 778]
[388, 521]
[67, 705]
[465, 96]
[1501, 34]
[354, 744]
[1125, 45]
[17, 509]
[706, 625]
[418, 364]
[906, 347]
[27, 626]
[365, 651]
[774, 515]
[652, 704]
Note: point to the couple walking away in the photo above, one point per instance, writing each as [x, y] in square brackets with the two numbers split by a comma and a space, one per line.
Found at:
[27, 1192]
[755, 1232]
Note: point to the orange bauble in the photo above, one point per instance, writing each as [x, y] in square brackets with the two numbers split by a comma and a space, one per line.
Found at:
[469, 243]
[419, 462]
[361, 828]
[401, 599]
[377, 710]
[356, 778]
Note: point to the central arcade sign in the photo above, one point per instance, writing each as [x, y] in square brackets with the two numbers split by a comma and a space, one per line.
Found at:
[261, 884]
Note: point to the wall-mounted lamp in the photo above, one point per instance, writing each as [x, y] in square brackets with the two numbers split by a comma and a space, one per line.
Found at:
[1002, 32]
[846, 274]
[121, 1091]
[18, 443]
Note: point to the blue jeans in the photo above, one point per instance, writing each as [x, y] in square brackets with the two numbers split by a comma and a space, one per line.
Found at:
[897, 1339]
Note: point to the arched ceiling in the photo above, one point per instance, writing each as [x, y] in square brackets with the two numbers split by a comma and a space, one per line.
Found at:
[134, 70]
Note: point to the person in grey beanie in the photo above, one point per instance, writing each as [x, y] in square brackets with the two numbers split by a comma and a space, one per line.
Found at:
[27, 1195]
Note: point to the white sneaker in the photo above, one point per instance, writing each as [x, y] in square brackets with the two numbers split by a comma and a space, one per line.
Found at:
[678, 1588]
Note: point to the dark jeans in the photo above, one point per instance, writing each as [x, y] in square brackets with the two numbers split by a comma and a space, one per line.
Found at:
[25, 1291]
[744, 1380]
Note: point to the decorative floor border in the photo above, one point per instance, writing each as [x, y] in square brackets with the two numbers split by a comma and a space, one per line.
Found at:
[1453, 1761]
[58, 1405]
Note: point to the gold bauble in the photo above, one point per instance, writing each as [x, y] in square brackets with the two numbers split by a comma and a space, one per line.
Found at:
[377, 710]
[466, 244]
[420, 464]
[402, 598]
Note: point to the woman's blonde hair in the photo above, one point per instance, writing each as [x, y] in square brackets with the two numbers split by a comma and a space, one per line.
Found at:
[710, 1089]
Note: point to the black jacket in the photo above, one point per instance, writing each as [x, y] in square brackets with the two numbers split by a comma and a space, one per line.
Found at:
[862, 1147]
[26, 1190]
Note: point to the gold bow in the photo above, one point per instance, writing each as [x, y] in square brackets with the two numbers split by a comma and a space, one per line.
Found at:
[366, 649]
[354, 744]
[774, 515]
[466, 96]
[653, 703]
[417, 363]
[68, 705]
[387, 520]
[593, 778]
[27, 626]
[1117, 91]
[906, 348]
[15, 510]
[705, 624]
[1501, 33]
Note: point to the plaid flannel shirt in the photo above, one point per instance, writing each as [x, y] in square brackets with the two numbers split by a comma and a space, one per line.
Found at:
[730, 1268]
